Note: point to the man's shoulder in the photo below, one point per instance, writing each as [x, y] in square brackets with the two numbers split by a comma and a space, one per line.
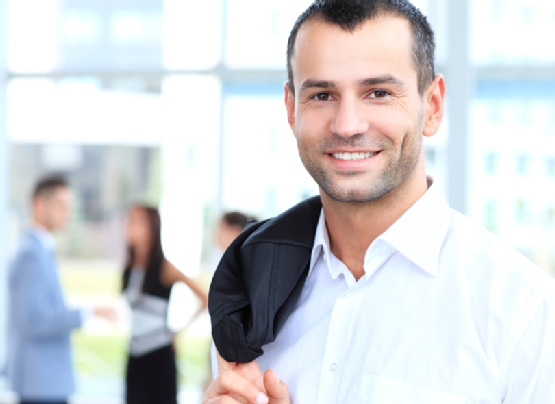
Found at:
[295, 226]
[29, 253]
[28, 244]
[488, 258]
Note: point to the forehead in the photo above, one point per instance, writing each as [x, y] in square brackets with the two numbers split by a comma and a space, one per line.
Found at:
[137, 212]
[58, 193]
[377, 47]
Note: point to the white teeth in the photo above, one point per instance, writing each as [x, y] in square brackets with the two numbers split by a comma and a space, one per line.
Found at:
[353, 156]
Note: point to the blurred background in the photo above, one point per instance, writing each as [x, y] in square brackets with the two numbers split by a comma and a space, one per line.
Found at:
[179, 103]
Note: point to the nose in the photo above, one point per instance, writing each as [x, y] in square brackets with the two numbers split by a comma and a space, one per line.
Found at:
[349, 119]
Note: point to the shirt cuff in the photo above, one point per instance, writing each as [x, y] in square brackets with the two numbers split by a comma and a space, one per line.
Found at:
[86, 314]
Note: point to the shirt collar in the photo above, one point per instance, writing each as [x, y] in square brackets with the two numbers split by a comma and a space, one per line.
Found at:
[418, 234]
[321, 243]
[45, 237]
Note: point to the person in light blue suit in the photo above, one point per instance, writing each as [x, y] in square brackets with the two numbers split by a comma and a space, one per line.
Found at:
[39, 365]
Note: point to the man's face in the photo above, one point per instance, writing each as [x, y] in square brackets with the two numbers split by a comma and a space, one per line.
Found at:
[53, 210]
[356, 113]
[225, 235]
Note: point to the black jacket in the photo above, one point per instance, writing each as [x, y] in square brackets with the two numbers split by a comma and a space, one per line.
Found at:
[259, 280]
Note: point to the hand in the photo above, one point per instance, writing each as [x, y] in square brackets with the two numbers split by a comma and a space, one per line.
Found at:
[106, 312]
[245, 384]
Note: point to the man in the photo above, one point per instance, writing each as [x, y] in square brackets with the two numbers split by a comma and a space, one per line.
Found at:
[230, 226]
[39, 366]
[403, 300]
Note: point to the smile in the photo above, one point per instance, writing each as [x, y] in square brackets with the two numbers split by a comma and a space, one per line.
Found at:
[353, 156]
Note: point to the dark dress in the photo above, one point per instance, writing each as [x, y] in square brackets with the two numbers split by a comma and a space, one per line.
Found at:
[151, 370]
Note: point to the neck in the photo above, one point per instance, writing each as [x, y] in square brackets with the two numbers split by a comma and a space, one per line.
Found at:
[38, 222]
[353, 226]
[140, 258]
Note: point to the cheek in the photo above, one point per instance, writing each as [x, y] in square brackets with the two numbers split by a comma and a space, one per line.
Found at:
[392, 124]
[312, 126]
[135, 231]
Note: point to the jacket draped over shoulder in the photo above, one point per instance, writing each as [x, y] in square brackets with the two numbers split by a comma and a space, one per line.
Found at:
[259, 280]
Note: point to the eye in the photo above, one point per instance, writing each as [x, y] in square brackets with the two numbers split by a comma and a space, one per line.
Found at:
[379, 94]
[321, 97]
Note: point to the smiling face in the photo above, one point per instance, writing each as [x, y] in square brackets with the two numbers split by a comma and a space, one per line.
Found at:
[357, 114]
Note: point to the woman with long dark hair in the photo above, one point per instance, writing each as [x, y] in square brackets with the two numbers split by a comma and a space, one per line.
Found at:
[148, 277]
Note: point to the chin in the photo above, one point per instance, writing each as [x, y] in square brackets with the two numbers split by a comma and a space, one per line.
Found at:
[355, 194]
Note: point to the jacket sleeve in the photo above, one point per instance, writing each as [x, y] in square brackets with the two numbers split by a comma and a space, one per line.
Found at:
[40, 314]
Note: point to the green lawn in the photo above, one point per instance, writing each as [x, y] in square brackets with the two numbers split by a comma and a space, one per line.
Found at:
[105, 357]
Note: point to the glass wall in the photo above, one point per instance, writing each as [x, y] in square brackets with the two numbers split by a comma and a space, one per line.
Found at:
[512, 124]
[179, 104]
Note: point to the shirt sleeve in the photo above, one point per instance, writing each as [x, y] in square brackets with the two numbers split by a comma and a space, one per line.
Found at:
[531, 372]
[86, 313]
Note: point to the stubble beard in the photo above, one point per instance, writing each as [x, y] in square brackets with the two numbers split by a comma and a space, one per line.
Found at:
[397, 171]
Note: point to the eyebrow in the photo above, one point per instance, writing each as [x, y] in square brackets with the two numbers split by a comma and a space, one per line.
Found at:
[307, 84]
[371, 81]
[386, 79]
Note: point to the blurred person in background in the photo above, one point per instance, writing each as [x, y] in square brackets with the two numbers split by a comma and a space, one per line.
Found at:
[39, 364]
[151, 376]
[230, 226]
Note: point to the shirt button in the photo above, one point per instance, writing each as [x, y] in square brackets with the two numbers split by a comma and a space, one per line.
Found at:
[350, 295]
[333, 367]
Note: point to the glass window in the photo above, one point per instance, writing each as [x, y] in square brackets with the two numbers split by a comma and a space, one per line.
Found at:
[506, 31]
[522, 164]
[262, 173]
[491, 162]
[62, 113]
[522, 212]
[257, 32]
[430, 157]
[82, 27]
[550, 217]
[550, 167]
[135, 28]
[192, 34]
[551, 119]
[33, 42]
[67, 35]
[490, 216]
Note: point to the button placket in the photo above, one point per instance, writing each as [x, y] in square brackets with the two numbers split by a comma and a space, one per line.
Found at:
[336, 346]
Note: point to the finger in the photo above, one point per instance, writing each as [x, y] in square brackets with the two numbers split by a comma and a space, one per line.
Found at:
[221, 400]
[251, 371]
[222, 363]
[277, 390]
[229, 382]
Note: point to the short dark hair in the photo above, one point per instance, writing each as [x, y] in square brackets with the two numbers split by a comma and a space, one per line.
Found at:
[237, 219]
[349, 14]
[45, 187]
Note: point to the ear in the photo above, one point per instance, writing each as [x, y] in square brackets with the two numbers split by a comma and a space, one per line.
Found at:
[290, 106]
[435, 106]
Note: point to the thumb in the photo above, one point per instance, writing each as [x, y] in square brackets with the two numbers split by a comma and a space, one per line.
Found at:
[276, 389]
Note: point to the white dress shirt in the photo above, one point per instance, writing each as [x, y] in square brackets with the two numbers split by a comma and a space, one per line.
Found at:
[446, 313]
